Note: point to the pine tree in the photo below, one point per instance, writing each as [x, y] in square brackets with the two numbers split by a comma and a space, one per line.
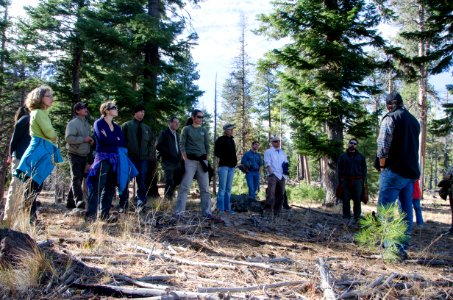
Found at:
[325, 67]
[238, 101]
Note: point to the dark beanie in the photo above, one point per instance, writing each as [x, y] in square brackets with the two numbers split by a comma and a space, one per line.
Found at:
[139, 107]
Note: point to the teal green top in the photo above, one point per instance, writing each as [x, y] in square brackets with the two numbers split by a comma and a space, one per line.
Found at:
[194, 140]
[41, 126]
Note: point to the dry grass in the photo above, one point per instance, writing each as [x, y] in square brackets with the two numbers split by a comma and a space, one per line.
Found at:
[293, 242]
[31, 271]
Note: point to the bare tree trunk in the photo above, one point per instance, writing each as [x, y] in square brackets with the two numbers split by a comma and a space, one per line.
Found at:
[306, 169]
[423, 46]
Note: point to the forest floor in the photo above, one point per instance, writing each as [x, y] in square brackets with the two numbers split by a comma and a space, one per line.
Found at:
[308, 252]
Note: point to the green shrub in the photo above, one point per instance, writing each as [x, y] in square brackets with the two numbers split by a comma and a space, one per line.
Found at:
[239, 183]
[384, 232]
[304, 192]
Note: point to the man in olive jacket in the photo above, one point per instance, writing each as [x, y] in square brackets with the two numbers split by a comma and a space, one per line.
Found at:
[169, 151]
[79, 141]
[139, 140]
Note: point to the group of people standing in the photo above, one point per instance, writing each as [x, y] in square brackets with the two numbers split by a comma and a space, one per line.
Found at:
[122, 153]
[107, 156]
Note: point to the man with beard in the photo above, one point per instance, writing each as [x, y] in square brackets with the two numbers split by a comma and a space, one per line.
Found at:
[352, 172]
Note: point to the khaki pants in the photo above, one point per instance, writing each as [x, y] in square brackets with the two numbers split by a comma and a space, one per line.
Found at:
[14, 196]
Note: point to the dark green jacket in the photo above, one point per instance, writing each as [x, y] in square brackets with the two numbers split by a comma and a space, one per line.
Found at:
[130, 132]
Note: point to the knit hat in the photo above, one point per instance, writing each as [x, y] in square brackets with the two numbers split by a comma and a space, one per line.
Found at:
[138, 107]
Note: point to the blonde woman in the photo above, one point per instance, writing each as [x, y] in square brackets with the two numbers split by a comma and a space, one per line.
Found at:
[106, 171]
[38, 160]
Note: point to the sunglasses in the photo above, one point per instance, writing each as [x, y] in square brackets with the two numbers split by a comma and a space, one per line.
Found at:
[275, 141]
[199, 117]
[352, 143]
[112, 108]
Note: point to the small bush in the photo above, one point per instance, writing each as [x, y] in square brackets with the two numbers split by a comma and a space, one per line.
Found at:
[304, 192]
[384, 232]
[239, 183]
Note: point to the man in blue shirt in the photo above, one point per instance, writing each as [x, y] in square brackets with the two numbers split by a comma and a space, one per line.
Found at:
[252, 162]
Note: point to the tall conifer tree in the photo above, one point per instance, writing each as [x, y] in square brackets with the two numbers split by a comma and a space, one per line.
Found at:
[325, 66]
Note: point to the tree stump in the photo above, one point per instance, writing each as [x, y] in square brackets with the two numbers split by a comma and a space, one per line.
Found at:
[13, 246]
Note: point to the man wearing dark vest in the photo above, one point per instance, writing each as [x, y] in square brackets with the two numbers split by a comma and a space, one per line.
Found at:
[397, 151]
[352, 173]
[168, 147]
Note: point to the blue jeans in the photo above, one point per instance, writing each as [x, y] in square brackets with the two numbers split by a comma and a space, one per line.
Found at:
[253, 183]
[142, 168]
[393, 186]
[102, 191]
[225, 182]
[418, 212]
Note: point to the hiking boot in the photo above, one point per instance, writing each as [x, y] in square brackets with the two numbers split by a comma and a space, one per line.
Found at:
[230, 212]
[70, 204]
[402, 255]
[214, 219]
[80, 205]
[450, 231]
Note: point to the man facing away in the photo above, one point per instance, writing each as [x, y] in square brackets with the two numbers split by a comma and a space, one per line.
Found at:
[168, 147]
[275, 159]
[139, 141]
[397, 151]
[225, 150]
[79, 141]
[352, 172]
[252, 161]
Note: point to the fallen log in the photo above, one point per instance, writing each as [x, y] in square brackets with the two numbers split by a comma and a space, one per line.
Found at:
[182, 260]
[263, 266]
[329, 294]
[248, 288]
[117, 291]
[140, 283]
[368, 290]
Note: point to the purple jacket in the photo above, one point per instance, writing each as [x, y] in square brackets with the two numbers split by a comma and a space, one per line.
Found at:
[108, 141]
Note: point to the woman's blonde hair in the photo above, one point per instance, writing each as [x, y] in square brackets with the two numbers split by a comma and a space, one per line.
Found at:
[106, 106]
[34, 98]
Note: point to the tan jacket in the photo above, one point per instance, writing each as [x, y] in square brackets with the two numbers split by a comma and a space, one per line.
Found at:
[76, 131]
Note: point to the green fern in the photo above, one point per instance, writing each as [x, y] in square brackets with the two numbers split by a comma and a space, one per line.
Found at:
[383, 232]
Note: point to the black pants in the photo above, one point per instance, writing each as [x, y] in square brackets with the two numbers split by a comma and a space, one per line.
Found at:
[173, 176]
[352, 189]
[77, 164]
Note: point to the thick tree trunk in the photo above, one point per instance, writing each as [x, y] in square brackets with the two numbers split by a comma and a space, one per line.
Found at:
[334, 134]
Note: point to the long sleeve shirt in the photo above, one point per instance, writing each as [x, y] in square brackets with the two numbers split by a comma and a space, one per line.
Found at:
[21, 137]
[225, 150]
[252, 160]
[76, 132]
[385, 137]
[194, 140]
[108, 141]
[40, 125]
[275, 158]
